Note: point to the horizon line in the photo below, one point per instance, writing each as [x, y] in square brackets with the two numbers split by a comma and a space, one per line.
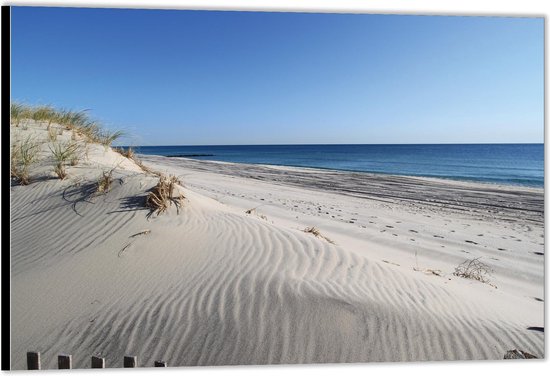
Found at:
[342, 144]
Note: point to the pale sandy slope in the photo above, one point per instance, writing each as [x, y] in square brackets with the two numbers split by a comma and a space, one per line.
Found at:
[214, 285]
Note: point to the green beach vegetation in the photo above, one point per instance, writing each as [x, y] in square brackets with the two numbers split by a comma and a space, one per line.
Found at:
[23, 155]
[80, 122]
[66, 151]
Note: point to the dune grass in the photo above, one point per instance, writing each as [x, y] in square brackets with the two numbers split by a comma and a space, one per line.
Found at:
[128, 153]
[23, 155]
[79, 122]
[163, 195]
[18, 112]
[106, 137]
[62, 153]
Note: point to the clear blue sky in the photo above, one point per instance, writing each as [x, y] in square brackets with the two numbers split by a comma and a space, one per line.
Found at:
[205, 78]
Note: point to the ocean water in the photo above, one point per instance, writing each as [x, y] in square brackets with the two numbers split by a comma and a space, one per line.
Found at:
[516, 164]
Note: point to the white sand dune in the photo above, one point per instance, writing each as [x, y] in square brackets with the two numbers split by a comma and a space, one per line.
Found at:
[215, 286]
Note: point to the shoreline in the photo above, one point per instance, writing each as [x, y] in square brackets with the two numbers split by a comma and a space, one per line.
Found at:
[507, 200]
[320, 169]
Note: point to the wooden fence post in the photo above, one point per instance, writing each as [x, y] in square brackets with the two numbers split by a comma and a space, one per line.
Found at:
[65, 361]
[98, 362]
[130, 361]
[33, 360]
[160, 363]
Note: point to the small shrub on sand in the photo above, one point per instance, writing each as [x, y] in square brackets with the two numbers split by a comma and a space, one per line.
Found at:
[473, 269]
[23, 155]
[315, 231]
[105, 182]
[164, 194]
[63, 152]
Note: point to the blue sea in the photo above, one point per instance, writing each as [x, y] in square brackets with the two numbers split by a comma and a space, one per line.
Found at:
[516, 164]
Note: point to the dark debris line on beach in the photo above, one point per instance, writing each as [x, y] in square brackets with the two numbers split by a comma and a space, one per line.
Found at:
[508, 203]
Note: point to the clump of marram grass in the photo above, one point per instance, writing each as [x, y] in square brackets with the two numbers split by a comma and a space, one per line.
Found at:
[164, 194]
[473, 269]
[106, 138]
[104, 182]
[43, 114]
[63, 152]
[315, 231]
[23, 155]
[77, 121]
[18, 112]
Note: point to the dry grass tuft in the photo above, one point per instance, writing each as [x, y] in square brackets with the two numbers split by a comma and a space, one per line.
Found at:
[315, 231]
[473, 269]
[163, 195]
[144, 232]
[104, 182]
[128, 153]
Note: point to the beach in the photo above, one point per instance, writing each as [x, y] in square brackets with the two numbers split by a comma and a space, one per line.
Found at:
[272, 265]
